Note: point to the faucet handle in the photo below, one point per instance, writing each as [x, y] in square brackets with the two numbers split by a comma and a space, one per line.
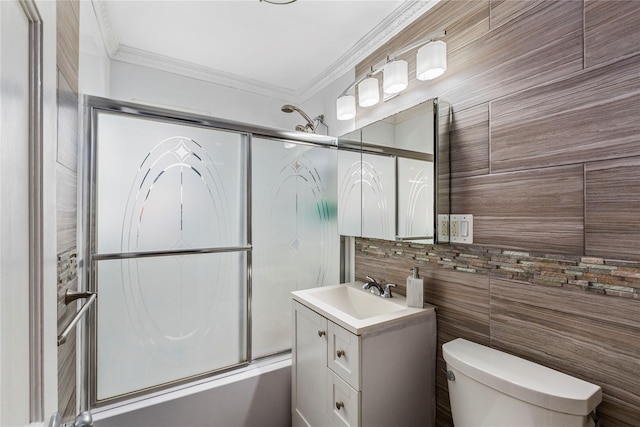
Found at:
[371, 280]
[387, 290]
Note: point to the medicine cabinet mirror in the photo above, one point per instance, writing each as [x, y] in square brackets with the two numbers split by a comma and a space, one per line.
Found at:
[393, 176]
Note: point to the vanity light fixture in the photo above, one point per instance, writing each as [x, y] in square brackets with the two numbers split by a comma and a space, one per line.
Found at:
[431, 62]
[395, 76]
[346, 107]
[368, 92]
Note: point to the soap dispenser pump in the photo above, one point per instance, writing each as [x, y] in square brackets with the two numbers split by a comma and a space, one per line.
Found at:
[415, 289]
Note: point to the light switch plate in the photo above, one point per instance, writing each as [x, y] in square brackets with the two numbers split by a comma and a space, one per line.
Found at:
[443, 228]
[461, 228]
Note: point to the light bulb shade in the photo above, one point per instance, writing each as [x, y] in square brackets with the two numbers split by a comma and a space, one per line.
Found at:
[431, 60]
[396, 76]
[368, 92]
[346, 107]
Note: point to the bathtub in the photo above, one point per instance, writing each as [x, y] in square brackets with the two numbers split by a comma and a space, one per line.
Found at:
[257, 395]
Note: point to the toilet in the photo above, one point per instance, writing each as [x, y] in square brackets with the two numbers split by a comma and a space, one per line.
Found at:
[490, 388]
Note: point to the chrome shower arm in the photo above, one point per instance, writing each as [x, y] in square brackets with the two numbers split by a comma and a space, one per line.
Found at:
[306, 117]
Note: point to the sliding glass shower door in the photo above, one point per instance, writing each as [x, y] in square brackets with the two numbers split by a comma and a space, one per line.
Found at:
[169, 255]
[294, 233]
[196, 236]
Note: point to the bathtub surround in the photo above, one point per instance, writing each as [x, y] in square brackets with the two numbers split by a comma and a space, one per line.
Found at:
[545, 154]
[258, 395]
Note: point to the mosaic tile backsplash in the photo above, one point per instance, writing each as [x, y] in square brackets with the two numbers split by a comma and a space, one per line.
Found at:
[617, 278]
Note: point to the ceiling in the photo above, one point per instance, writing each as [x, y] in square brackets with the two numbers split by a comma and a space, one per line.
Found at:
[285, 51]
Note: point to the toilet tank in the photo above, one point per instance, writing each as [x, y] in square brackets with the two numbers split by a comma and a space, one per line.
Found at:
[493, 388]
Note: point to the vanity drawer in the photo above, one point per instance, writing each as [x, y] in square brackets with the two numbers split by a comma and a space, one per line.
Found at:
[343, 401]
[343, 356]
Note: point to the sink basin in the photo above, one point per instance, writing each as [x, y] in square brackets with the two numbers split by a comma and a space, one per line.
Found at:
[356, 310]
[355, 302]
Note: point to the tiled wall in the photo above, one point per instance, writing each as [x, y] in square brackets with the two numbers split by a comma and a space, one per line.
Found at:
[67, 56]
[579, 315]
[545, 153]
[618, 278]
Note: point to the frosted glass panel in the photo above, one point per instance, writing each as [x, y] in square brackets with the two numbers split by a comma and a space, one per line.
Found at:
[162, 319]
[349, 193]
[415, 198]
[295, 238]
[186, 181]
[366, 195]
[378, 196]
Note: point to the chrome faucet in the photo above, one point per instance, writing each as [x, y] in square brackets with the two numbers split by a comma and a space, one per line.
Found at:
[383, 292]
[387, 290]
[373, 284]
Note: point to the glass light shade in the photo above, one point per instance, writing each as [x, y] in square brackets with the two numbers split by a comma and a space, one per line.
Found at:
[396, 76]
[368, 93]
[346, 107]
[431, 60]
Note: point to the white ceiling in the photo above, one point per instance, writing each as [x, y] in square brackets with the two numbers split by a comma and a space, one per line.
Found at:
[286, 51]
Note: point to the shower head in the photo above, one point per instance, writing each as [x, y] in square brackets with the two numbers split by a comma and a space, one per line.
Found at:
[309, 127]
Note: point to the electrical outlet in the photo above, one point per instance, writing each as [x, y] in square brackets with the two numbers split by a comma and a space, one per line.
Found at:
[455, 229]
[461, 228]
[443, 228]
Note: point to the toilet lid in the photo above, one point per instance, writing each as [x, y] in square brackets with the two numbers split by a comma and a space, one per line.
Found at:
[521, 378]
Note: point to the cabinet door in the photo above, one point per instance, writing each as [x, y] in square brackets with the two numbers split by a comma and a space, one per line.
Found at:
[378, 197]
[344, 354]
[343, 402]
[309, 373]
[366, 195]
[349, 193]
[415, 198]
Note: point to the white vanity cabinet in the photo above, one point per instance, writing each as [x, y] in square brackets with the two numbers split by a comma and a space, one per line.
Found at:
[382, 375]
[309, 367]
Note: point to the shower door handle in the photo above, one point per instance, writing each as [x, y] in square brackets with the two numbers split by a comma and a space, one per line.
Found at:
[63, 336]
[71, 296]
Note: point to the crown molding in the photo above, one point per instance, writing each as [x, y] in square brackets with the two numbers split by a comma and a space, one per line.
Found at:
[104, 16]
[188, 69]
[404, 15]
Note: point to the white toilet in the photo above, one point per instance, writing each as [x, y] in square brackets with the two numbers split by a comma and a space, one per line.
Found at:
[490, 388]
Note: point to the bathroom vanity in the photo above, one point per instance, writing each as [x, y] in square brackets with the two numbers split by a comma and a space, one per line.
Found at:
[361, 360]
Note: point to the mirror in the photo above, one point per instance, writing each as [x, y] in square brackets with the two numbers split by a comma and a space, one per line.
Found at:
[393, 176]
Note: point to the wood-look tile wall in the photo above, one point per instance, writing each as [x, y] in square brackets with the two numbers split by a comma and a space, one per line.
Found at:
[545, 153]
[588, 336]
[67, 58]
[578, 315]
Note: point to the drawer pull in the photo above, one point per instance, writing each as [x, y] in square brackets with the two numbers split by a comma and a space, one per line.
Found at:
[340, 353]
[339, 405]
[322, 333]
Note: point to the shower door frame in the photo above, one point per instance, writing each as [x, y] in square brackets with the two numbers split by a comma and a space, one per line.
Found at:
[93, 106]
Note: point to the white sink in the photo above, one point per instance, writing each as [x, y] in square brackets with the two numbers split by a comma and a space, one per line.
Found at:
[355, 309]
[354, 302]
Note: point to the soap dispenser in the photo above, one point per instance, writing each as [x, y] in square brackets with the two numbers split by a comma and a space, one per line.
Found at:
[415, 290]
